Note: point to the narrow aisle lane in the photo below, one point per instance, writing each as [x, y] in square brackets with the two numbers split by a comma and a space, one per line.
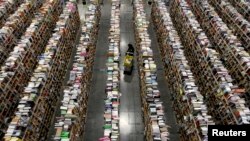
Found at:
[164, 90]
[163, 87]
[94, 124]
[131, 124]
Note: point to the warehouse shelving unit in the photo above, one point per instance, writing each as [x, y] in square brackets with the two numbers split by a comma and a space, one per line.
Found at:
[36, 108]
[73, 110]
[190, 109]
[215, 82]
[235, 21]
[243, 7]
[16, 26]
[62, 69]
[234, 57]
[8, 7]
[17, 70]
[152, 107]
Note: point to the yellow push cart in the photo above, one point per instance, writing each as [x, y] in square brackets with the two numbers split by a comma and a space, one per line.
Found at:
[128, 61]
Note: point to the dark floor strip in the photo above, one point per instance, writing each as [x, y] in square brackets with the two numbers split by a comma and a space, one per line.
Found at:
[131, 123]
[95, 121]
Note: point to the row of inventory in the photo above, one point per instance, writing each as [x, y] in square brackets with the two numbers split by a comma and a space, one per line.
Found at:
[8, 7]
[225, 100]
[152, 107]
[235, 21]
[243, 7]
[32, 76]
[70, 123]
[19, 66]
[17, 24]
[112, 102]
[188, 103]
[207, 62]
[230, 49]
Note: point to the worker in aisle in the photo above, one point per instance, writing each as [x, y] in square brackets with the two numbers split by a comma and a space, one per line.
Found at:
[149, 2]
[83, 2]
[128, 60]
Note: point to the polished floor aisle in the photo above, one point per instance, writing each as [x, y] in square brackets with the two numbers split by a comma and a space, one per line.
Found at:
[95, 120]
[131, 123]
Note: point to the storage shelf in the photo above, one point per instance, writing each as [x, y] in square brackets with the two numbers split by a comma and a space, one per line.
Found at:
[8, 7]
[188, 103]
[243, 7]
[73, 109]
[16, 72]
[112, 102]
[45, 84]
[16, 26]
[235, 21]
[152, 107]
[215, 83]
[235, 58]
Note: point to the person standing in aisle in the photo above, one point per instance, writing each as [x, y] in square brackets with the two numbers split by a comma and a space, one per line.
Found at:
[132, 3]
[83, 2]
[149, 2]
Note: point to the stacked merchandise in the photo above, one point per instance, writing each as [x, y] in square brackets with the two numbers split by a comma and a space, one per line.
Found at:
[153, 112]
[112, 102]
[16, 25]
[222, 97]
[243, 7]
[235, 58]
[7, 7]
[235, 21]
[190, 109]
[71, 122]
[17, 70]
[36, 107]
